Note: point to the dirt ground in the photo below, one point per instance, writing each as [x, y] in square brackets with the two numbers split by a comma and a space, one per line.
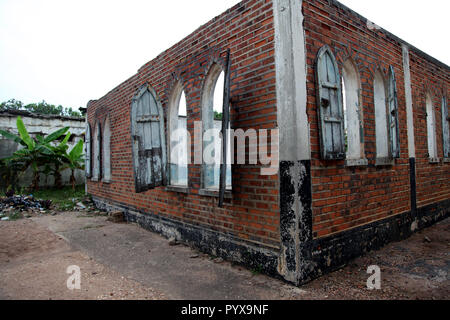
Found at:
[123, 261]
[34, 261]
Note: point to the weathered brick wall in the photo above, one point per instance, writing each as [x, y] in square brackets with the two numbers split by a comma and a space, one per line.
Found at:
[253, 212]
[433, 179]
[346, 197]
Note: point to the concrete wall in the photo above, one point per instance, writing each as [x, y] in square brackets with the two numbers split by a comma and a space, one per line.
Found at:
[43, 125]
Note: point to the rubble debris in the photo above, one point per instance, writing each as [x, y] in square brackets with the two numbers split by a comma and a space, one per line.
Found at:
[173, 242]
[426, 239]
[218, 260]
[81, 205]
[116, 216]
[23, 203]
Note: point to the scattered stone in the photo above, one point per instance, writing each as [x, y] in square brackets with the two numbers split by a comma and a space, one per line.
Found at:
[299, 291]
[218, 260]
[116, 216]
[426, 239]
[173, 242]
[81, 206]
[194, 256]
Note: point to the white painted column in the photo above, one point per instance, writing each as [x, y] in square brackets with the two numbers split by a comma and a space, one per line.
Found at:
[290, 64]
[408, 99]
[294, 141]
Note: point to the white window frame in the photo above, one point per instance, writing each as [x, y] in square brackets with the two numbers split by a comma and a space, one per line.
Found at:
[431, 130]
[174, 141]
[353, 114]
[380, 93]
[207, 120]
[106, 151]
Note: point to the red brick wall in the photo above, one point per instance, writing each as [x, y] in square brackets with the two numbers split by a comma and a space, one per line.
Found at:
[347, 197]
[343, 197]
[253, 211]
[433, 179]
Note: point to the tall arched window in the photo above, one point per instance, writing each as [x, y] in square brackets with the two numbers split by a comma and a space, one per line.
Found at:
[88, 151]
[96, 152]
[393, 122]
[329, 106]
[445, 128]
[106, 151]
[180, 141]
[353, 111]
[148, 140]
[212, 115]
[381, 119]
[431, 129]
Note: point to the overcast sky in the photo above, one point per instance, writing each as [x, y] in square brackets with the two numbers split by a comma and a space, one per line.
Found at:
[71, 51]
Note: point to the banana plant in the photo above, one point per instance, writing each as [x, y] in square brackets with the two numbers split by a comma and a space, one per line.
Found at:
[74, 161]
[59, 158]
[35, 153]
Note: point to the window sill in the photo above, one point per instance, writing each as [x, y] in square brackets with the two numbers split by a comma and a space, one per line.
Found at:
[94, 179]
[106, 181]
[381, 162]
[179, 189]
[446, 160]
[356, 162]
[214, 193]
[434, 160]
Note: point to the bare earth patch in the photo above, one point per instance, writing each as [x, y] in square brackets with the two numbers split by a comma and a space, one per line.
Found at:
[123, 261]
[33, 264]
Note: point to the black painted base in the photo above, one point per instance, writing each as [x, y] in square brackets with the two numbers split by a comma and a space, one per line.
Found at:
[331, 253]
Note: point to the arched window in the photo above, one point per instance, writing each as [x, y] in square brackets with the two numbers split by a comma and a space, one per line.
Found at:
[88, 151]
[329, 106]
[353, 111]
[213, 116]
[96, 154]
[180, 140]
[431, 129]
[381, 119]
[445, 128]
[148, 140]
[394, 130]
[106, 152]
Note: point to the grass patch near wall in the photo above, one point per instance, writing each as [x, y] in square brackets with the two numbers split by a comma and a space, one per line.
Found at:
[63, 199]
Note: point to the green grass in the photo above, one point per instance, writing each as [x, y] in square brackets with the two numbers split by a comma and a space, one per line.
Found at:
[15, 216]
[64, 199]
[257, 270]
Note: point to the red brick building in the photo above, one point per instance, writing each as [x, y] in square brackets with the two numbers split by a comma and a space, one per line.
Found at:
[363, 138]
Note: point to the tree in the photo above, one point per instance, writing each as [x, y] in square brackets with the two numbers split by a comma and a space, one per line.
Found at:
[39, 108]
[11, 104]
[36, 152]
[74, 161]
[58, 159]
